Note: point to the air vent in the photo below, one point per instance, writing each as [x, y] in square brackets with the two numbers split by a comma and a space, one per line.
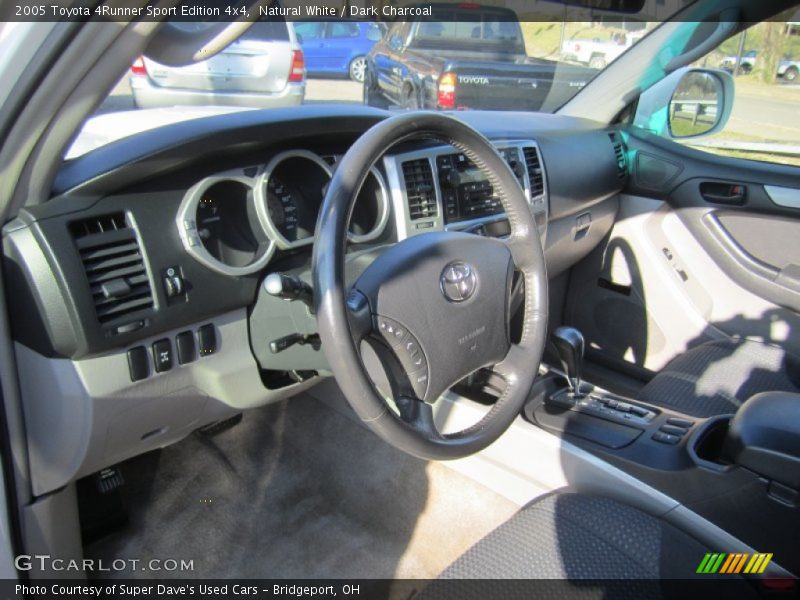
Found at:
[619, 152]
[534, 166]
[420, 192]
[114, 266]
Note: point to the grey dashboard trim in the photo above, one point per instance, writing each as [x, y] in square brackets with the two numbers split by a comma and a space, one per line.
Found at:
[406, 228]
[185, 221]
[260, 194]
[783, 196]
[99, 417]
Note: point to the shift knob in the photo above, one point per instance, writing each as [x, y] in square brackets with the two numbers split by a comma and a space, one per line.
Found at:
[569, 345]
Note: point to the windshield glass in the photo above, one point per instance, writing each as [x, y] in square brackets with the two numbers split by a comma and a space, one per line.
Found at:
[444, 56]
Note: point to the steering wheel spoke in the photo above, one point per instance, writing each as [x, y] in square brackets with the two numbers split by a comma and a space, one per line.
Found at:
[419, 415]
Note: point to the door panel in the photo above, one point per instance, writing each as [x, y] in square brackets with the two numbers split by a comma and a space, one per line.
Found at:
[683, 266]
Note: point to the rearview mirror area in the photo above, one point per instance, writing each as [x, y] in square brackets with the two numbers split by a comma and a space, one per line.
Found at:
[694, 107]
[688, 103]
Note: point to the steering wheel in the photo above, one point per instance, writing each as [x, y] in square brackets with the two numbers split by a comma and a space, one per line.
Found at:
[435, 307]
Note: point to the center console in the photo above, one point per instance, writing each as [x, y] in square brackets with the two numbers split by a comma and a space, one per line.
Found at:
[741, 472]
[440, 188]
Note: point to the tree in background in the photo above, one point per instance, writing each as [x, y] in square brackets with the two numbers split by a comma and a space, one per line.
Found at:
[774, 35]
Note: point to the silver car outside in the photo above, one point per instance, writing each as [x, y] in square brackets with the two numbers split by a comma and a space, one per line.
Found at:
[262, 69]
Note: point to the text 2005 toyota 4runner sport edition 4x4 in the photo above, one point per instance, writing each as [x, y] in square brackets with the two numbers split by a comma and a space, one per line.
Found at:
[334, 350]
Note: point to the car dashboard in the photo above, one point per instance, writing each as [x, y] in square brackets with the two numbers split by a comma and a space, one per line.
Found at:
[137, 290]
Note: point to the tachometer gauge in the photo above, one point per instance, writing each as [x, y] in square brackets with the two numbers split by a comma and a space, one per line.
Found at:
[282, 209]
[219, 226]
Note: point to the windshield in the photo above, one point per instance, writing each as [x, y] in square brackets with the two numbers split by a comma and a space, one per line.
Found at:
[463, 56]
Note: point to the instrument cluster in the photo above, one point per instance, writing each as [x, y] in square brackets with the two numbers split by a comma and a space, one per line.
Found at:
[233, 222]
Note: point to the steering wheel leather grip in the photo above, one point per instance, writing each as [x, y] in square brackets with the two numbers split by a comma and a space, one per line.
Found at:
[436, 306]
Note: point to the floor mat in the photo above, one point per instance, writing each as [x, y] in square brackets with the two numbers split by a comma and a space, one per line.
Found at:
[297, 491]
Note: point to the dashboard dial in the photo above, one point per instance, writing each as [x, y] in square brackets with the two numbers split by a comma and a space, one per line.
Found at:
[282, 208]
[219, 227]
[208, 218]
[289, 196]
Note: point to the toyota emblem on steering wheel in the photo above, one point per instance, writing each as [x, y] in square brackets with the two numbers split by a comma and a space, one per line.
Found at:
[458, 281]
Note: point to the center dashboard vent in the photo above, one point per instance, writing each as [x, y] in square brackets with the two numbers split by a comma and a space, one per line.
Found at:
[114, 266]
[534, 166]
[619, 153]
[420, 192]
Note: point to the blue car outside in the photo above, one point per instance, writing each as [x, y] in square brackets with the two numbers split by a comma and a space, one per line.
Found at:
[337, 48]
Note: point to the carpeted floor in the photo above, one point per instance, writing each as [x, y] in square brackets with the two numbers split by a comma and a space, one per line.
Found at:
[297, 490]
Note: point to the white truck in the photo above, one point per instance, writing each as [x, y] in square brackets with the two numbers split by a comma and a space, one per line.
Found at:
[598, 53]
[788, 69]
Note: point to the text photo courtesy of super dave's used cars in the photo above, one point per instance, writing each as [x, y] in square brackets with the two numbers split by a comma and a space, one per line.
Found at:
[394, 300]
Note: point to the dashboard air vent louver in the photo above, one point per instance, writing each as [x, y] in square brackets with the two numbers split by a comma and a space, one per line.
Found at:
[619, 152]
[114, 266]
[420, 192]
[534, 166]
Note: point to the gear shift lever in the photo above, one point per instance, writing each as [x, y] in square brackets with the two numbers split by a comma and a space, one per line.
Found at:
[569, 344]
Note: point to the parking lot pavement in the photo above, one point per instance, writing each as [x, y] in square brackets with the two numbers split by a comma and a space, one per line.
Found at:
[333, 90]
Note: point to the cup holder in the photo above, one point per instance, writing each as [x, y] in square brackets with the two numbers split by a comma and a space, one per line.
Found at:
[707, 445]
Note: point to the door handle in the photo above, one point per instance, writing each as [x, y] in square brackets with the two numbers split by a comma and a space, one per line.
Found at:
[717, 192]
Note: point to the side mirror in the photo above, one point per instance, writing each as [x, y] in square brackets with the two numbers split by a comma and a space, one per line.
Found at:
[395, 43]
[688, 103]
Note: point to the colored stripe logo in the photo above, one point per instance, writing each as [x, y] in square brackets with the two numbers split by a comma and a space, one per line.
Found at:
[733, 563]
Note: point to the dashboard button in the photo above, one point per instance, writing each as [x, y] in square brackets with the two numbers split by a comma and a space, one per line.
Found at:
[419, 381]
[411, 355]
[173, 282]
[162, 355]
[138, 363]
[129, 327]
[207, 337]
[184, 342]
[393, 332]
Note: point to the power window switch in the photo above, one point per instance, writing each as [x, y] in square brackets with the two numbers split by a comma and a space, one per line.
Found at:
[138, 363]
[666, 438]
[672, 430]
[184, 342]
[162, 355]
[207, 337]
[684, 423]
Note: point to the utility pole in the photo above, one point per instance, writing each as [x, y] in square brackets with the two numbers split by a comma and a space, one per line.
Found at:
[738, 68]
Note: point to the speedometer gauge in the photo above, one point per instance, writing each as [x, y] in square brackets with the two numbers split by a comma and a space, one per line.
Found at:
[282, 209]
